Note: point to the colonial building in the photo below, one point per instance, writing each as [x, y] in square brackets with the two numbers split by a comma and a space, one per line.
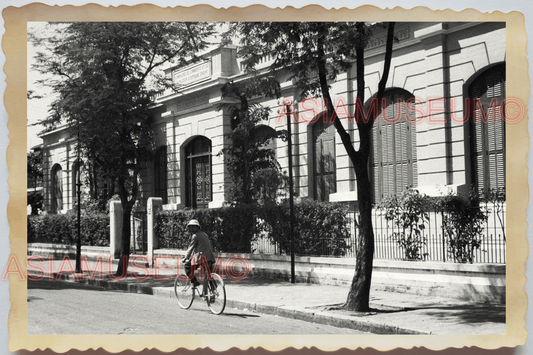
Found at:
[442, 127]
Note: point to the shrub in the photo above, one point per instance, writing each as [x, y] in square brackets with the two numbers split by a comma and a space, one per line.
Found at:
[62, 229]
[409, 212]
[230, 229]
[463, 222]
[320, 228]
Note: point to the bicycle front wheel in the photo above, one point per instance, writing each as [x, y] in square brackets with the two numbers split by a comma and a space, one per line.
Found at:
[216, 297]
[183, 291]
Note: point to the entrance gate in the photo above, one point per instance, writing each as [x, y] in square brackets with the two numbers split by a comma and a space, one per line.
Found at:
[139, 241]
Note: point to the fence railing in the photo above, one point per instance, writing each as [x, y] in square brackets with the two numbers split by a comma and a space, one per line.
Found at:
[436, 248]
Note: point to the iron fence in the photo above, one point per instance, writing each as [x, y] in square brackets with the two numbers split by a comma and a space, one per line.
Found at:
[436, 247]
[138, 237]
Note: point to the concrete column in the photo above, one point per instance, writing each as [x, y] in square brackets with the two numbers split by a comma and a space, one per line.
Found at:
[115, 226]
[154, 205]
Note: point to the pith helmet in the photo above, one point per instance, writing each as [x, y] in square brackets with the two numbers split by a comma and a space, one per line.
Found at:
[193, 222]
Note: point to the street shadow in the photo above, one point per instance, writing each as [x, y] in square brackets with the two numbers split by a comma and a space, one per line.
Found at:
[460, 313]
[470, 314]
[45, 284]
[32, 298]
[264, 281]
[237, 315]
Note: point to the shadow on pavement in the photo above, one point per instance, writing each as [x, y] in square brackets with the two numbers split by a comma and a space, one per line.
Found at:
[470, 313]
[241, 315]
[62, 285]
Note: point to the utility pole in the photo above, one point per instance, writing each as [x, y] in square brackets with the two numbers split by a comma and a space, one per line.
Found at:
[291, 192]
[78, 186]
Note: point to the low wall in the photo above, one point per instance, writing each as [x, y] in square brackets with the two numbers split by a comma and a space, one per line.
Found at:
[473, 282]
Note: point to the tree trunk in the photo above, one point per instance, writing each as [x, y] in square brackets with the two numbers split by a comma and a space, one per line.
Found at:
[359, 295]
[126, 231]
[127, 207]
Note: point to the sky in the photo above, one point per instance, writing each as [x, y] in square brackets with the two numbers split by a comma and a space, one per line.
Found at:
[37, 108]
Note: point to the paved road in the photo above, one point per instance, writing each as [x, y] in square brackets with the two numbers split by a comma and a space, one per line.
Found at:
[70, 308]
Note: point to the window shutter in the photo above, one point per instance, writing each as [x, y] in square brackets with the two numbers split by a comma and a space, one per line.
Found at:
[376, 161]
[324, 155]
[488, 138]
[395, 161]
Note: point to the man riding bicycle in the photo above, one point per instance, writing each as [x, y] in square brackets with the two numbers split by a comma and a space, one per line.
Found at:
[200, 245]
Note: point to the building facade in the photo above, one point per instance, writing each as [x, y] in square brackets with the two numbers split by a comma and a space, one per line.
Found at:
[442, 127]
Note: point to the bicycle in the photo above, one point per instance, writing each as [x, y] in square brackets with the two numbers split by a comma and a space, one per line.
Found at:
[214, 291]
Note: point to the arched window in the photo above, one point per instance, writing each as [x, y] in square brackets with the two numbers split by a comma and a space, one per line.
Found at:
[160, 174]
[267, 133]
[394, 161]
[198, 173]
[56, 188]
[324, 164]
[487, 129]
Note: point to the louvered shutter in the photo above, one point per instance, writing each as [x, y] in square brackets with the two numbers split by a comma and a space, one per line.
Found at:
[324, 155]
[394, 147]
[58, 189]
[487, 92]
[376, 161]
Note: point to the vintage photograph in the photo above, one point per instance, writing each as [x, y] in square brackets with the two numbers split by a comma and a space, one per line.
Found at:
[300, 178]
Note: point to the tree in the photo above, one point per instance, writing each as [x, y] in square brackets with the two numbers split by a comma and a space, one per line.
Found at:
[247, 157]
[105, 75]
[35, 177]
[313, 54]
[35, 168]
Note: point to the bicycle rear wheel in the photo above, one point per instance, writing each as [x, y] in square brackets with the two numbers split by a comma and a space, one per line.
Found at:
[216, 297]
[183, 291]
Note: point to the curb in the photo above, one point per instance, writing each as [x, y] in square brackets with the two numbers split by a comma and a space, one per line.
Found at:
[323, 318]
[318, 317]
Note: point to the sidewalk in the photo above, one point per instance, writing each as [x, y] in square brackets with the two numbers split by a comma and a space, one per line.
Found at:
[392, 312]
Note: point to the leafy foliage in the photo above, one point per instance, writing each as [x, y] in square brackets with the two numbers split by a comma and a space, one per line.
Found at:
[409, 212]
[105, 74]
[298, 47]
[230, 229]
[270, 186]
[497, 198]
[247, 156]
[312, 54]
[463, 223]
[35, 199]
[35, 169]
[62, 229]
[320, 226]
